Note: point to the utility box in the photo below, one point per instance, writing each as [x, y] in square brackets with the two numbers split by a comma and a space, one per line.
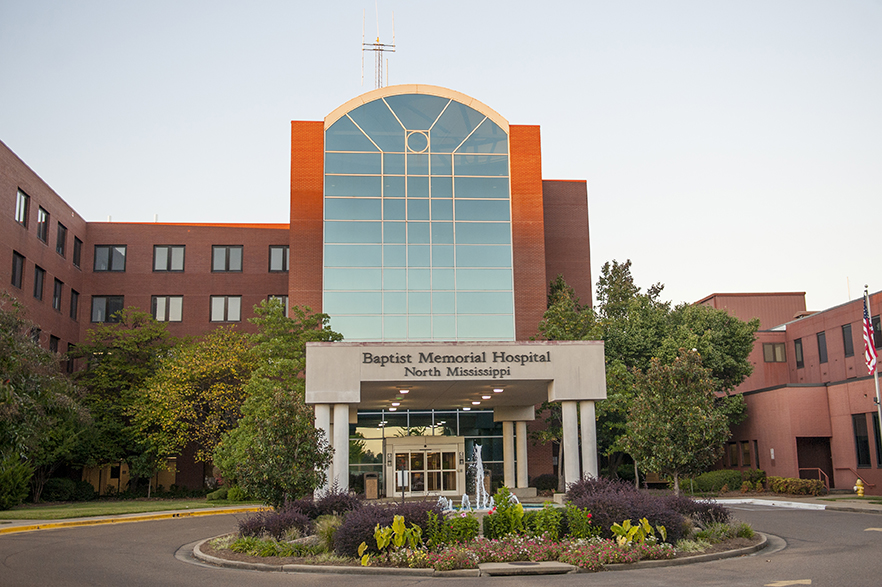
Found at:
[371, 486]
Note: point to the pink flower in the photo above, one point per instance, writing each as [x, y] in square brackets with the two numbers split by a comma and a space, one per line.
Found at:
[462, 515]
[588, 515]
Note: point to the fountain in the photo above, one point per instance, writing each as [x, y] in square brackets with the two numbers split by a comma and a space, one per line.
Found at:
[483, 500]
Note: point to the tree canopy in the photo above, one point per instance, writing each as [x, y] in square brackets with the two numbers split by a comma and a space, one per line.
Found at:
[638, 327]
[276, 453]
[674, 427]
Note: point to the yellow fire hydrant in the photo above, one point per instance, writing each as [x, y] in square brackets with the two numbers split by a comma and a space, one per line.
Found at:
[859, 488]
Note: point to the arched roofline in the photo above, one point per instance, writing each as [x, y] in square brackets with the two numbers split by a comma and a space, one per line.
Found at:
[354, 103]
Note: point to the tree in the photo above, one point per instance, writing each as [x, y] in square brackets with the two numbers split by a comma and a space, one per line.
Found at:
[637, 326]
[673, 426]
[276, 453]
[196, 394]
[41, 418]
[119, 358]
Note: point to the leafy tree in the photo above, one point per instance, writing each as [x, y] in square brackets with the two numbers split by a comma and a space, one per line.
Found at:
[196, 394]
[636, 327]
[41, 419]
[276, 453]
[119, 358]
[673, 426]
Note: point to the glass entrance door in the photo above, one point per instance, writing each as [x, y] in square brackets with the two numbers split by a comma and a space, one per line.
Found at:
[426, 472]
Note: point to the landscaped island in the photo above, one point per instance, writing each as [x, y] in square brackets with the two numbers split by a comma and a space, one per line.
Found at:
[603, 522]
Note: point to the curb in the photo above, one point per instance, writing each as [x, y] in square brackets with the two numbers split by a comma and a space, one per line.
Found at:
[797, 505]
[124, 520]
[701, 558]
[346, 570]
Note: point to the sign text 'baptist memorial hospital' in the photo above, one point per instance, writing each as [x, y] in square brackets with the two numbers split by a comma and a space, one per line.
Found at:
[492, 364]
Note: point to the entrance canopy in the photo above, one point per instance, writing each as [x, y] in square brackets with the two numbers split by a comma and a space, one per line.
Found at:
[454, 375]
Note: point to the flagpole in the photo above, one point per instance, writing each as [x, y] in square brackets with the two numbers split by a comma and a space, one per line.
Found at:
[875, 370]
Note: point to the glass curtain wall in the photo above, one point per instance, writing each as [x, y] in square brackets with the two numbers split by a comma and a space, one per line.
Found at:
[417, 221]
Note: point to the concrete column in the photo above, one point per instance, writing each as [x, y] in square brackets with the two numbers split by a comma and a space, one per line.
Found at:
[521, 434]
[341, 446]
[323, 422]
[589, 438]
[570, 441]
[508, 454]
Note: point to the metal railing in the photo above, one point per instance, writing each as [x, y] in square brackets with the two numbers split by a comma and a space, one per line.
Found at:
[821, 474]
[856, 474]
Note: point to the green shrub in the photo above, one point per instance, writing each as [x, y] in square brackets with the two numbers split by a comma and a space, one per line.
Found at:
[457, 528]
[714, 481]
[715, 533]
[218, 494]
[579, 523]
[14, 478]
[796, 486]
[743, 530]
[546, 521]
[506, 517]
[58, 489]
[83, 491]
[236, 493]
[325, 528]
[754, 476]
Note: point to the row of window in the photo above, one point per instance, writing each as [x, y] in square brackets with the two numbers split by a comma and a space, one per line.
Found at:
[22, 208]
[224, 258]
[847, 343]
[171, 308]
[742, 450]
[18, 271]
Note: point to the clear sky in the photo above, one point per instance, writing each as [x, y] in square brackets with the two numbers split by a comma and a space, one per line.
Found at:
[728, 146]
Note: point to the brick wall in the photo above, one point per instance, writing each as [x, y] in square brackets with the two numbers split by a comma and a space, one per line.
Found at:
[307, 191]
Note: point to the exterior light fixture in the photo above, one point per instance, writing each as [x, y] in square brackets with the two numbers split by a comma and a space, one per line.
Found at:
[497, 390]
[476, 403]
[466, 409]
[393, 409]
[396, 403]
[403, 391]
[485, 397]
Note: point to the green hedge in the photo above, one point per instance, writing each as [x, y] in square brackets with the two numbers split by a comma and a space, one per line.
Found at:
[797, 486]
[714, 481]
[14, 478]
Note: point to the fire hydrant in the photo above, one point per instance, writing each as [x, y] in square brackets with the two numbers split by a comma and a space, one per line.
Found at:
[859, 488]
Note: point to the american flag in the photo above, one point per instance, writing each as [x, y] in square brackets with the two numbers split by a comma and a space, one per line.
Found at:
[869, 347]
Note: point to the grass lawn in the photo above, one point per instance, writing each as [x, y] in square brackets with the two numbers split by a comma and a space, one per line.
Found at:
[874, 499]
[83, 509]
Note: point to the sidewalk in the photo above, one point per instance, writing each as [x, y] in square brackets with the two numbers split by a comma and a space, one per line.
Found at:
[15, 526]
[836, 502]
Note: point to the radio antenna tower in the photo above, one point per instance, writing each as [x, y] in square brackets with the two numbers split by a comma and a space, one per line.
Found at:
[378, 49]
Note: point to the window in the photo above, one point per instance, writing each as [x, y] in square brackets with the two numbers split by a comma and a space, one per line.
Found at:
[774, 352]
[168, 308]
[39, 276]
[278, 258]
[822, 347]
[69, 364]
[104, 308]
[77, 252]
[168, 258]
[745, 453]
[17, 269]
[877, 332]
[733, 454]
[35, 334]
[22, 203]
[284, 300]
[226, 258]
[226, 308]
[61, 239]
[847, 340]
[110, 257]
[878, 436]
[42, 224]
[74, 304]
[797, 351]
[53, 343]
[56, 295]
[861, 440]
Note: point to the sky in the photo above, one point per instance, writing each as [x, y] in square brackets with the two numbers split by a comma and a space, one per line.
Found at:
[727, 146]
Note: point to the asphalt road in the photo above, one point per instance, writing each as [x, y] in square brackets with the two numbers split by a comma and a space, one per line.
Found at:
[822, 548]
